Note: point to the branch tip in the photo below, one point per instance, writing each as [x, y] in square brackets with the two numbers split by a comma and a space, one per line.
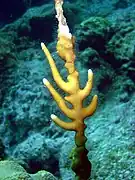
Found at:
[45, 81]
[53, 116]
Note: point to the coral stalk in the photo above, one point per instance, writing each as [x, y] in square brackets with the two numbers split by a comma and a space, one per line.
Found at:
[65, 49]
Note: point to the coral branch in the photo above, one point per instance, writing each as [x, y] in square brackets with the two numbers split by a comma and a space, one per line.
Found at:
[65, 48]
[65, 125]
[86, 91]
[60, 101]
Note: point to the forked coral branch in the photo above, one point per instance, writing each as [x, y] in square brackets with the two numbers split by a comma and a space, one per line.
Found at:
[65, 49]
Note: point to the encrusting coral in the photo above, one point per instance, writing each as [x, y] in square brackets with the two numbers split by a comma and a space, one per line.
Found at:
[65, 49]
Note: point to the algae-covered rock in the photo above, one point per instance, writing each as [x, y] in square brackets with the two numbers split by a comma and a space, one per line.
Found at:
[122, 47]
[93, 32]
[11, 170]
[7, 46]
[122, 43]
[43, 175]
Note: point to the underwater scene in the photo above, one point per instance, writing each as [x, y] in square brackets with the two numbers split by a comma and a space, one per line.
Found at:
[67, 90]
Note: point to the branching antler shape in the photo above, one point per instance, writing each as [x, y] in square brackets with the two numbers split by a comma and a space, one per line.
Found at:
[65, 48]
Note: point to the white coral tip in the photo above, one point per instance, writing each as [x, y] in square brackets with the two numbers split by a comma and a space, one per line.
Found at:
[90, 71]
[53, 116]
[45, 81]
[42, 45]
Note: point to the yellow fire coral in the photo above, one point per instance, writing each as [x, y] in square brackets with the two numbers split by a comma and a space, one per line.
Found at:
[65, 48]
